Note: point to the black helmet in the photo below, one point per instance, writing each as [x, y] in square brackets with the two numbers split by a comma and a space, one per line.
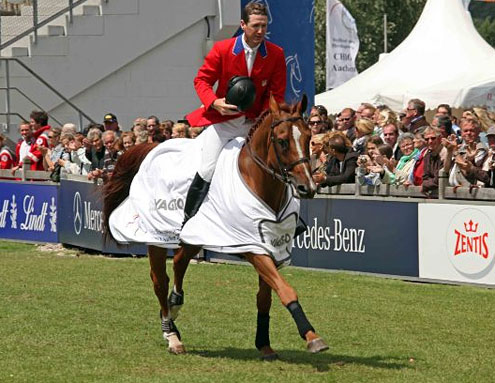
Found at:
[241, 92]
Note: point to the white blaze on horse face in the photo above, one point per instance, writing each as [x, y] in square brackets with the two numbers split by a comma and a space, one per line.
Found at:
[296, 134]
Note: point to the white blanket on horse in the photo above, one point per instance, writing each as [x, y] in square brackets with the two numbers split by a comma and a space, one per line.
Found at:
[232, 219]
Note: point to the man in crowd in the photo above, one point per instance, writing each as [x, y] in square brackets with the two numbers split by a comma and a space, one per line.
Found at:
[415, 118]
[23, 147]
[345, 123]
[341, 166]
[433, 161]
[110, 122]
[446, 110]
[390, 136]
[251, 55]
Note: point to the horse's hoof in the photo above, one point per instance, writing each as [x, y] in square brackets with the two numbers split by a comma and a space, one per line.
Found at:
[177, 350]
[317, 345]
[269, 357]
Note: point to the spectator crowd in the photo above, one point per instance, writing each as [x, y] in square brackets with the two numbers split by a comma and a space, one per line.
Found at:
[371, 145]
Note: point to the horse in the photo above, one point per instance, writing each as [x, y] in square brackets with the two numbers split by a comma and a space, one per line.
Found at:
[274, 159]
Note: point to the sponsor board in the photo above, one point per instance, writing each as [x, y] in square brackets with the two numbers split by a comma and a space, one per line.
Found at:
[81, 219]
[28, 212]
[457, 243]
[359, 235]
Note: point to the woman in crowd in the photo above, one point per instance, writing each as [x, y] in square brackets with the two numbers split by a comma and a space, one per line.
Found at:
[179, 130]
[318, 155]
[403, 172]
[371, 165]
[364, 129]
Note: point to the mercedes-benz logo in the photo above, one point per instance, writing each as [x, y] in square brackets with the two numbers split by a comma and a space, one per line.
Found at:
[77, 211]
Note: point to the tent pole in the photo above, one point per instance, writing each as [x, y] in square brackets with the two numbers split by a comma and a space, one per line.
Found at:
[385, 47]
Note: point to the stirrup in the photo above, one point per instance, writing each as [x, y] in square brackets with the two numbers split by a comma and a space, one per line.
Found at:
[168, 328]
[175, 302]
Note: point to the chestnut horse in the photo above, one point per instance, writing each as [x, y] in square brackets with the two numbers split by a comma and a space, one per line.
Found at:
[275, 157]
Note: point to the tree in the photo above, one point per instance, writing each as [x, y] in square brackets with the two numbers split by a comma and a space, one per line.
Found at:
[402, 16]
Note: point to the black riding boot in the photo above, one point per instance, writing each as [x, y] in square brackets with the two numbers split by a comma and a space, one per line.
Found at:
[195, 197]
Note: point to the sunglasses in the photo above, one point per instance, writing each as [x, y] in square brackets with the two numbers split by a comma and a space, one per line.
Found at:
[345, 118]
[314, 122]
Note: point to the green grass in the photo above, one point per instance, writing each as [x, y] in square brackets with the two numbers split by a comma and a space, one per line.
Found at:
[89, 318]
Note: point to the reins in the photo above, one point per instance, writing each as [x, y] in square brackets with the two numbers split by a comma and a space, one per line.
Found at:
[283, 174]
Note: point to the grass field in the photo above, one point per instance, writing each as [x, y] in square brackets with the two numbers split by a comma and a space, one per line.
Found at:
[88, 319]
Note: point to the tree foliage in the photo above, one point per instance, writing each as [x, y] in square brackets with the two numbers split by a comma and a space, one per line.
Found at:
[402, 15]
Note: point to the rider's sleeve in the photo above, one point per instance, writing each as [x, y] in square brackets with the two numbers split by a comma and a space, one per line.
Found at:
[208, 74]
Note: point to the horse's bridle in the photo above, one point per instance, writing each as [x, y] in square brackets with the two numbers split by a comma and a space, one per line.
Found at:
[283, 174]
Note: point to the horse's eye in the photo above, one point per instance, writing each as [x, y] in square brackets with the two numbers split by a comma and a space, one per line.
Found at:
[283, 143]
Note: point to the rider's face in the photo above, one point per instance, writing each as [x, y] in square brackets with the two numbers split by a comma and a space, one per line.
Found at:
[255, 29]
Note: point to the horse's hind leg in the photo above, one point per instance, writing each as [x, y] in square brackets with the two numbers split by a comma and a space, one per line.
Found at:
[264, 303]
[182, 257]
[265, 267]
[158, 262]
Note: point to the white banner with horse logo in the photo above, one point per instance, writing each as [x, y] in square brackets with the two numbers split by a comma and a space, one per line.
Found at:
[231, 219]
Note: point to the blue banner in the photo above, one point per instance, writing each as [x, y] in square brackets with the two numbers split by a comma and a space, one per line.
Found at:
[28, 212]
[291, 26]
[81, 219]
[359, 235]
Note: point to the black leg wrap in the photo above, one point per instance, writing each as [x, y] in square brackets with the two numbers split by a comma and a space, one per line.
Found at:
[168, 326]
[263, 331]
[302, 322]
[195, 196]
[301, 227]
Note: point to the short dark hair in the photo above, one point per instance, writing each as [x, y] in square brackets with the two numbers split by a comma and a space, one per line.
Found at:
[445, 122]
[253, 8]
[446, 106]
[152, 117]
[40, 117]
[419, 105]
[337, 143]
[385, 150]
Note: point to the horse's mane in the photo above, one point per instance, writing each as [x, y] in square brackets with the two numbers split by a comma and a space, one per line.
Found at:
[264, 115]
[116, 189]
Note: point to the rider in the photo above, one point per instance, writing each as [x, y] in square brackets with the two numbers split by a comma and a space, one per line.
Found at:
[251, 55]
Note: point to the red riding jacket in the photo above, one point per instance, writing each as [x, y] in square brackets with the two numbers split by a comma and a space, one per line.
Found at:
[227, 59]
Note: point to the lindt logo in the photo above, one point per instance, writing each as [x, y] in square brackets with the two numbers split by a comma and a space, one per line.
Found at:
[471, 242]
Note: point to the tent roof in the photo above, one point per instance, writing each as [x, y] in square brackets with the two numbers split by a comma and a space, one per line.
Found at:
[443, 60]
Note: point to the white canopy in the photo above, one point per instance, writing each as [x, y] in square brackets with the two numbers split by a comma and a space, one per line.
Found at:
[443, 60]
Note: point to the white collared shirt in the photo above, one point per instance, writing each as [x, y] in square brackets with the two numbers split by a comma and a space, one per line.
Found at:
[250, 54]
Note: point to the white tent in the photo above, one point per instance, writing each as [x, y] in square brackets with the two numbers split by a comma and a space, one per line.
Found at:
[443, 60]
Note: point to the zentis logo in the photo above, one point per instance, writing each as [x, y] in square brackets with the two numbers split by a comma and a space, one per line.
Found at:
[470, 243]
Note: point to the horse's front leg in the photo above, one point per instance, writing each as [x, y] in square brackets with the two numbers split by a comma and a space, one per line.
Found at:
[264, 303]
[182, 257]
[267, 270]
[158, 263]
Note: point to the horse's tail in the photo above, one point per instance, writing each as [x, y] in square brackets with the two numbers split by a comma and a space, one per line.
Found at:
[116, 189]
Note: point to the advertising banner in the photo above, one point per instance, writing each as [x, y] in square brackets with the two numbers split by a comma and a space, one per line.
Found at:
[81, 219]
[28, 212]
[291, 26]
[457, 243]
[359, 235]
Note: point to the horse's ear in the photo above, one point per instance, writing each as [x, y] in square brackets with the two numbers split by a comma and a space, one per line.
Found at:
[303, 104]
[274, 107]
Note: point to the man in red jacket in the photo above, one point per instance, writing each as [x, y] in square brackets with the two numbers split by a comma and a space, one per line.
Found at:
[247, 55]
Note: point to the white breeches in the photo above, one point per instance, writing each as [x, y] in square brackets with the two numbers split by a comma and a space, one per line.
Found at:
[217, 135]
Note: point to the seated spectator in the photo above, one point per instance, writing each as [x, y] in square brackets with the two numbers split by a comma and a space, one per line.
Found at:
[317, 157]
[486, 174]
[194, 131]
[341, 164]
[391, 136]
[403, 172]
[166, 129]
[7, 157]
[142, 137]
[420, 145]
[433, 161]
[364, 129]
[97, 151]
[53, 152]
[179, 130]
[76, 162]
[415, 118]
[373, 165]
[470, 150]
